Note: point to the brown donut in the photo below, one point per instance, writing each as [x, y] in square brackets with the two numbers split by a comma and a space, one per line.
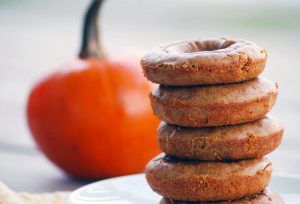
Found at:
[207, 181]
[248, 140]
[197, 62]
[202, 106]
[265, 197]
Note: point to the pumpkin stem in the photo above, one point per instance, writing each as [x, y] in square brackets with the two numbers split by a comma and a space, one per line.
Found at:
[90, 47]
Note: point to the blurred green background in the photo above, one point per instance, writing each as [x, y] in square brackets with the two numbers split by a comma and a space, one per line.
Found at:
[38, 35]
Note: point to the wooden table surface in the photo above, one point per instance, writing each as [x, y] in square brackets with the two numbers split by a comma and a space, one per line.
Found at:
[36, 36]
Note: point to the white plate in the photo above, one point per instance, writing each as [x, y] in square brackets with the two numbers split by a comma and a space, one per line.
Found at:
[133, 189]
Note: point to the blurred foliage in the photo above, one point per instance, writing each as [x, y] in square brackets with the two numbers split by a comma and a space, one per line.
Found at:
[267, 18]
[258, 15]
[9, 2]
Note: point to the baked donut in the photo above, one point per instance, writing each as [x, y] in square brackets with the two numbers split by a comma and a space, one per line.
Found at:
[244, 141]
[267, 196]
[215, 105]
[208, 61]
[207, 181]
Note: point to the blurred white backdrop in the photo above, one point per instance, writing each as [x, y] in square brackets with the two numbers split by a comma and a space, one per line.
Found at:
[36, 36]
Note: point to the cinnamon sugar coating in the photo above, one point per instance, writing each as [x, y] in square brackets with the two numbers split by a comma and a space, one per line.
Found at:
[204, 61]
[207, 181]
[216, 105]
[267, 196]
[243, 141]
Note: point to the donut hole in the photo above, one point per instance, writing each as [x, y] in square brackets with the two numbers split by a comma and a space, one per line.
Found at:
[201, 46]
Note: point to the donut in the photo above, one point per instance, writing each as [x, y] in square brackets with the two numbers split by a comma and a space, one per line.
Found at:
[249, 140]
[267, 196]
[215, 105]
[207, 181]
[206, 61]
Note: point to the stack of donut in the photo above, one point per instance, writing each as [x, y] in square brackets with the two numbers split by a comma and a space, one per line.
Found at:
[214, 131]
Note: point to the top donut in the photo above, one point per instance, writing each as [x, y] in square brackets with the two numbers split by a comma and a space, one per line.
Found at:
[204, 62]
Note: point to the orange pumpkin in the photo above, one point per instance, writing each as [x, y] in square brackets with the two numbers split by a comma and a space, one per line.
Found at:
[92, 117]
